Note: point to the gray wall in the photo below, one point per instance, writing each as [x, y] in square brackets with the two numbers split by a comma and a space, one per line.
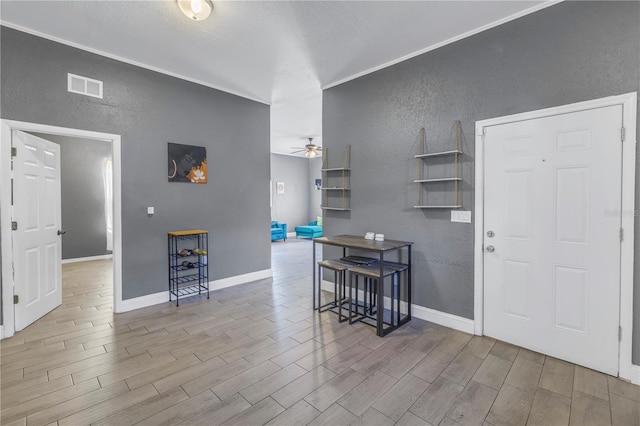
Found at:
[82, 194]
[315, 196]
[292, 207]
[570, 52]
[149, 110]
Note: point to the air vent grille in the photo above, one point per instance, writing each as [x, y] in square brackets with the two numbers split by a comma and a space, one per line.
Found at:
[84, 86]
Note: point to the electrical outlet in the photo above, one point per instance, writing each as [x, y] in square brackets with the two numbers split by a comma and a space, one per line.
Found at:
[150, 210]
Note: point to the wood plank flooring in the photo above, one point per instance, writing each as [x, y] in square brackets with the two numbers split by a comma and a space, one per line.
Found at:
[258, 354]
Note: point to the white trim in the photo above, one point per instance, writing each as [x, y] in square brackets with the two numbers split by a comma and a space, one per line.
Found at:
[240, 279]
[629, 105]
[447, 320]
[451, 40]
[5, 230]
[144, 301]
[87, 259]
[635, 374]
[629, 116]
[128, 61]
[420, 312]
[163, 296]
[478, 249]
[1, 332]
[5, 218]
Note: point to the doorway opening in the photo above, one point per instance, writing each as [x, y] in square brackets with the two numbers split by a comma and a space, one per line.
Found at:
[7, 127]
[485, 238]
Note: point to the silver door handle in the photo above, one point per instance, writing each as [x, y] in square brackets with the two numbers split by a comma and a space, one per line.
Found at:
[491, 249]
[61, 232]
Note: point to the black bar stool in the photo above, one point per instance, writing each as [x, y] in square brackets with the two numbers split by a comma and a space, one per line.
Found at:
[339, 268]
[371, 275]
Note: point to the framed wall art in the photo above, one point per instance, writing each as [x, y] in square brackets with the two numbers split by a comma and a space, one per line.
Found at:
[187, 163]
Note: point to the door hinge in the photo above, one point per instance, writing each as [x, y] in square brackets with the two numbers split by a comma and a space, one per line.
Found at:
[621, 234]
[619, 333]
[622, 134]
[14, 226]
[14, 151]
[16, 299]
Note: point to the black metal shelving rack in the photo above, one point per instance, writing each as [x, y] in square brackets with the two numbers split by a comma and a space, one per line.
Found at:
[188, 274]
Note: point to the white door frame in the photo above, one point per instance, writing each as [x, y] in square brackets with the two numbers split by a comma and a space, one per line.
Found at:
[8, 327]
[629, 113]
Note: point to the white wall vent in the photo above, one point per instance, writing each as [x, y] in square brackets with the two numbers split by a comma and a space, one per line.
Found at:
[84, 85]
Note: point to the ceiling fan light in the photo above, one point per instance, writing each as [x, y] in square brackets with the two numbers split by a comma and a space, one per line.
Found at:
[196, 10]
[311, 154]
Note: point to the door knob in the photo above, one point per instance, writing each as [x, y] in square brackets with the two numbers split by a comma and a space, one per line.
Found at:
[61, 232]
[491, 249]
[490, 234]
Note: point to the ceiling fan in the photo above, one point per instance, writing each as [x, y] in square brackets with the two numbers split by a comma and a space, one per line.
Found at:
[310, 150]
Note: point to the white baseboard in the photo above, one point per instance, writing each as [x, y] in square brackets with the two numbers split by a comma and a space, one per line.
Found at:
[142, 301]
[427, 314]
[163, 296]
[87, 259]
[240, 279]
[291, 234]
[635, 374]
[1, 332]
[442, 318]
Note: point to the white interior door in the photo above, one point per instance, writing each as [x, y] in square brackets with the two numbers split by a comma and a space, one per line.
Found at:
[36, 243]
[552, 265]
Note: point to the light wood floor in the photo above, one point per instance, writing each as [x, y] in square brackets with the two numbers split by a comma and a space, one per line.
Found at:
[257, 354]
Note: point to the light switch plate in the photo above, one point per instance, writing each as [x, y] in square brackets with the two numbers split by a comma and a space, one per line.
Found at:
[461, 216]
[150, 210]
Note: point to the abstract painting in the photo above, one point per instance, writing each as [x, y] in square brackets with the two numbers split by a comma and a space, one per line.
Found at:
[187, 163]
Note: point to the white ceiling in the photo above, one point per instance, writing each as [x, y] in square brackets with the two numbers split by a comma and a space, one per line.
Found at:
[282, 53]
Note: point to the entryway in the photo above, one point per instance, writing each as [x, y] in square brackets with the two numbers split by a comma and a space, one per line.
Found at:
[37, 227]
[40, 286]
[555, 266]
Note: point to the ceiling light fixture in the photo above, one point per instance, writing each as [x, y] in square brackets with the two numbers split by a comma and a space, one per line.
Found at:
[196, 10]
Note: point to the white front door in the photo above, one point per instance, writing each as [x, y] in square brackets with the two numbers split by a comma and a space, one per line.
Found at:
[552, 235]
[36, 243]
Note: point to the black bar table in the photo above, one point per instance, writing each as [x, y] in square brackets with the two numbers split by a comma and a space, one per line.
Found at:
[379, 247]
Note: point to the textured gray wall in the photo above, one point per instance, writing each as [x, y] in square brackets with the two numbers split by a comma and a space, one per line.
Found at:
[570, 52]
[292, 207]
[82, 194]
[315, 196]
[149, 110]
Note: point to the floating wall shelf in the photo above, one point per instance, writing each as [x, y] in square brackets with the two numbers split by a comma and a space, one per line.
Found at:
[336, 182]
[421, 166]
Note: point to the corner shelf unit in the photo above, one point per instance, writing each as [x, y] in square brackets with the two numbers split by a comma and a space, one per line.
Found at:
[421, 181]
[188, 270]
[336, 182]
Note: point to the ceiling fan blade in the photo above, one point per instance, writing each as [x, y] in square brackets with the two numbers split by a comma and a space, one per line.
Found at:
[300, 150]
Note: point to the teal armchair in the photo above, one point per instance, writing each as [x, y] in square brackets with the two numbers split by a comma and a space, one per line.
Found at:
[278, 231]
